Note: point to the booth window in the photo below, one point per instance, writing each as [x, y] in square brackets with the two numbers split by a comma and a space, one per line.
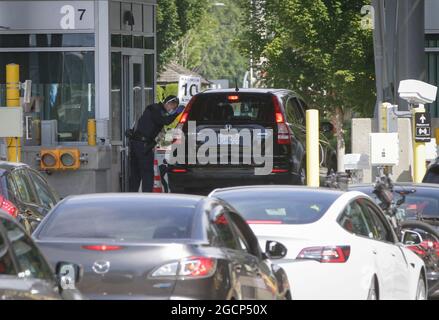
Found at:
[149, 78]
[43, 40]
[63, 88]
[116, 96]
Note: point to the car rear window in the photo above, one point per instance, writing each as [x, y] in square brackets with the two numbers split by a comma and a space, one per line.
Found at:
[120, 221]
[284, 207]
[232, 108]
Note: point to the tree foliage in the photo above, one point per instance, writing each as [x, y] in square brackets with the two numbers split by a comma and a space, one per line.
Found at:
[201, 37]
[316, 47]
[211, 48]
[168, 30]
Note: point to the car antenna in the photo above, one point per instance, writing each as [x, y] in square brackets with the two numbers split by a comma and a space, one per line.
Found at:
[236, 85]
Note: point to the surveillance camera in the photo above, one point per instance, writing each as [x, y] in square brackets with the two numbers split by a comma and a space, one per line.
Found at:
[417, 92]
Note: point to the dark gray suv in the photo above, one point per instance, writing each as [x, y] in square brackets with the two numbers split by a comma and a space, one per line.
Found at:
[263, 114]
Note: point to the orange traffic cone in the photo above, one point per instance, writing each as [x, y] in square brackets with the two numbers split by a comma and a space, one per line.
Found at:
[157, 179]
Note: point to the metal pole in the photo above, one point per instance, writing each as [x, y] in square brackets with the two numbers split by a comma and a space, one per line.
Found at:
[419, 155]
[312, 148]
[13, 100]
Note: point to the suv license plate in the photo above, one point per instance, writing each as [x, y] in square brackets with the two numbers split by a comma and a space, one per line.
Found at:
[228, 139]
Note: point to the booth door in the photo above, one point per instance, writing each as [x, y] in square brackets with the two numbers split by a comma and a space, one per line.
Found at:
[132, 107]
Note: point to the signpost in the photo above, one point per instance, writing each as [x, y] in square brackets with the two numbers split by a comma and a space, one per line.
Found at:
[188, 86]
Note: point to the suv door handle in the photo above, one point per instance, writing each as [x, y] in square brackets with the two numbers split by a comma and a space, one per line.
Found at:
[374, 251]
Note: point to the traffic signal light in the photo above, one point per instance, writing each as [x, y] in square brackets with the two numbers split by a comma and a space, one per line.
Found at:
[69, 159]
[60, 159]
[49, 159]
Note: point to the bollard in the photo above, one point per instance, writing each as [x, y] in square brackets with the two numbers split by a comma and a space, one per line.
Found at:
[419, 151]
[13, 100]
[91, 132]
[312, 148]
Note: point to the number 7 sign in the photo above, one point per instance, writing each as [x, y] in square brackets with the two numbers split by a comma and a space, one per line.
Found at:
[188, 87]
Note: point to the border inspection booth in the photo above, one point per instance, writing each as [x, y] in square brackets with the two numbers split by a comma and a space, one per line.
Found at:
[92, 66]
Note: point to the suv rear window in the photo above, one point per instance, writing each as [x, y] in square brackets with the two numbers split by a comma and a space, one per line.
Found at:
[232, 107]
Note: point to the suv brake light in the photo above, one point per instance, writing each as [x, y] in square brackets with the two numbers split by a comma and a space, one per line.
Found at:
[9, 207]
[284, 135]
[183, 119]
[328, 254]
[186, 111]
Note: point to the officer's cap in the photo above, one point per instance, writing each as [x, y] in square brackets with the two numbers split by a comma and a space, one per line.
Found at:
[171, 99]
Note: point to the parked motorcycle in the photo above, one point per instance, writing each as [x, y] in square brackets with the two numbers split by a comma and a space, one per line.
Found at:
[418, 235]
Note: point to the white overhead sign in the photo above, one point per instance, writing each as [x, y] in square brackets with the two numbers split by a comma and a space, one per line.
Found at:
[46, 15]
[188, 86]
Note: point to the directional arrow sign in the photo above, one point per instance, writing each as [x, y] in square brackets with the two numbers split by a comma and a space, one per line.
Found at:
[422, 127]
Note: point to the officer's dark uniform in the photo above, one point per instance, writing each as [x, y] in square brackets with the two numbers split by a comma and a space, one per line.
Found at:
[149, 125]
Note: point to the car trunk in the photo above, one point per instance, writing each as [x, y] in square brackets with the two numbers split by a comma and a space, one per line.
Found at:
[122, 270]
[237, 122]
[294, 237]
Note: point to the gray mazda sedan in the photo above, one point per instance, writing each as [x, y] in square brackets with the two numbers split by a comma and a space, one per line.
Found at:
[165, 246]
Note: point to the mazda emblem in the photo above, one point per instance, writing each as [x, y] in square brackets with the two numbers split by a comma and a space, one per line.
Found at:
[101, 267]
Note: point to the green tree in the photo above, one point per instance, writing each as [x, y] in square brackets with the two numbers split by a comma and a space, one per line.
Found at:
[210, 47]
[168, 30]
[317, 48]
[190, 13]
[174, 19]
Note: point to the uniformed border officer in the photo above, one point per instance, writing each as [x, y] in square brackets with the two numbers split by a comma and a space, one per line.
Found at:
[143, 140]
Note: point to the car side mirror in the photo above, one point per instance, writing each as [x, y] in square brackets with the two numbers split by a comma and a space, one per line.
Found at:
[326, 127]
[275, 250]
[68, 275]
[411, 238]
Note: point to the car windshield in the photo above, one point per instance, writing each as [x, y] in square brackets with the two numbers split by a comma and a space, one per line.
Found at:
[280, 207]
[120, 221]
[232, 108]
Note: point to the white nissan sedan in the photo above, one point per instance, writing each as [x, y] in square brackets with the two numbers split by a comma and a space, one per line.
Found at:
[339, 244]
